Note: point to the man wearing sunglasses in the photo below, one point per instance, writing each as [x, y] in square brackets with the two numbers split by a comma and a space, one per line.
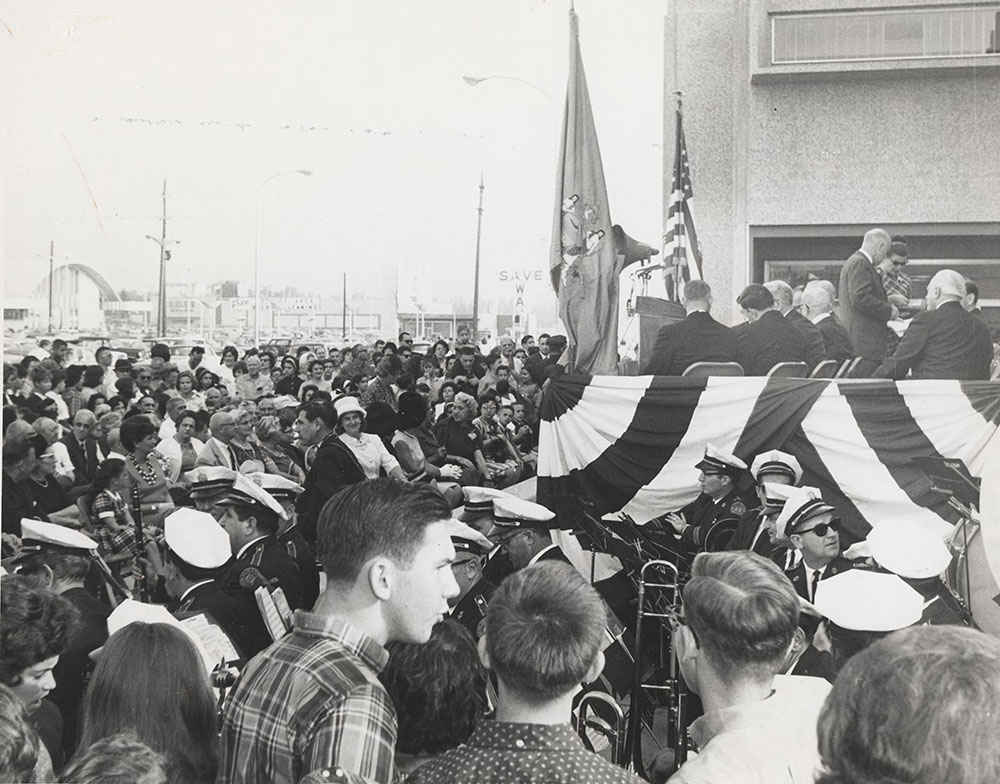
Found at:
[811, 527]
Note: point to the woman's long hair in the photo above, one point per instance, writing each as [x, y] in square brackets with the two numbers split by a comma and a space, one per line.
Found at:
[150, 680]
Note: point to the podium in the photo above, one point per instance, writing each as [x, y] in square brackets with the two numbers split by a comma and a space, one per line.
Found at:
[653, 313]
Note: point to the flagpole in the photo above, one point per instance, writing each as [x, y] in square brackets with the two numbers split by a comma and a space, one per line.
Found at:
[678, 249]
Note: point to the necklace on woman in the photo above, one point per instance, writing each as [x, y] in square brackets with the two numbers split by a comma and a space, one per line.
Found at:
[148, 475]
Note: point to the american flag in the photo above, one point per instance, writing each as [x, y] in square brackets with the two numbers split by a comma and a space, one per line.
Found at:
[680, 240]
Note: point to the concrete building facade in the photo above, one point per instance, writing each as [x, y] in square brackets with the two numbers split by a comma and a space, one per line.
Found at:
[810, 121]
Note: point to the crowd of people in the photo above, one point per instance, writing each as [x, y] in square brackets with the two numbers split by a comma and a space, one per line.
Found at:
[881, 331]
[312, 568]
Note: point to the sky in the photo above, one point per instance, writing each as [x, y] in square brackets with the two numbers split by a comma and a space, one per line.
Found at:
[108, 99]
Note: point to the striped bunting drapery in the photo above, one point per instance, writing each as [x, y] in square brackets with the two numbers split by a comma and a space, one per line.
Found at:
[630, 443]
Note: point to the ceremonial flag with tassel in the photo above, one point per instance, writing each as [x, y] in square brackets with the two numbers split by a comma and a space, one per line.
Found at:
[681, 254]
[584, 263]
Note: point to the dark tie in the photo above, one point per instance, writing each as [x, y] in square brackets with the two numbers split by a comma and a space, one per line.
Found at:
[815, 582]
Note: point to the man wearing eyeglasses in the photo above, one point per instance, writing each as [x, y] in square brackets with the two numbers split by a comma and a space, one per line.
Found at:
[811, 527]
[469, 607]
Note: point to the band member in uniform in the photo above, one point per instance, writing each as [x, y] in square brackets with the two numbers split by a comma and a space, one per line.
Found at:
[862, 606]
[522, 530]
[478, 513]
[250, 516]
[64, 558]
[289, 536]
[813, 530]
[208, 484]
[708, 521]
[919, 557]
[469, 607]
[197, 550]
[775, 467]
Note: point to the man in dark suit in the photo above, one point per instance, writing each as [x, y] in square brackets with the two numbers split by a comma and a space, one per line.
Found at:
[945, 341]
[815, 347]
[971, 300]
[522, 530]
[769, 338]
[864, 306]
[698, 338]
[818, 304]
[84, 453]
[334, 466]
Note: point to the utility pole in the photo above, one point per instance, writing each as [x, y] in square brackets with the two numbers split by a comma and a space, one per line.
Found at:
[344, 314]
[475, 290]
[52, 251]
[161, 303]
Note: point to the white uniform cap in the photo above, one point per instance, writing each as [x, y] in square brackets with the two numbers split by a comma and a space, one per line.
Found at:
[197, 538]
[908, 549]
[246, 492]
[479, 502]
[278, 486]
[511, 512]
[208, 480]
[776, 462]
[861, 600]
[802, 504]
[35, 532]
[718, 461]
[286, 401]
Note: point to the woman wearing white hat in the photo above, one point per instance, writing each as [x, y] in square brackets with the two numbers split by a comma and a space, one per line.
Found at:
[367, 448]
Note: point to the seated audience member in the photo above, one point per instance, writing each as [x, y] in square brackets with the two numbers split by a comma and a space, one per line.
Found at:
[503, 461]
[814, 343]
[740, 617]
[50, 495]
[922, 705]
[439, 691]
[313, 700]
[20, 747]
[36, 626]
[460, 439]
[544, 635]
[118, 759]
[368, 448]
[173, 713]
[410, 453]
[817, 302]
[387, 373]
[861, 607]
[83, 449]
[768, 338]
[944, 341]
[698, 338]
[181, 449]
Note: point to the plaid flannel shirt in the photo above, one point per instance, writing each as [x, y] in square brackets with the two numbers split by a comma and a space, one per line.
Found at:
[311, 701]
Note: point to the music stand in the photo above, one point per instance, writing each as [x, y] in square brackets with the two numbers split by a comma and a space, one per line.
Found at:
[951, 478]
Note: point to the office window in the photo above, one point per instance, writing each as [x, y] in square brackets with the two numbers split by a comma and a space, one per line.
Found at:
[956, 31]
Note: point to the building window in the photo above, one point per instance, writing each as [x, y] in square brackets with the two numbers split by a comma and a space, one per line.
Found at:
[956, 31]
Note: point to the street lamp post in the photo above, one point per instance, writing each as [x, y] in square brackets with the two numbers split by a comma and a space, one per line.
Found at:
[256, 245]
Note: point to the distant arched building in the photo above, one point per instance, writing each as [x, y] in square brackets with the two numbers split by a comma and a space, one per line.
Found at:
[79, 296]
